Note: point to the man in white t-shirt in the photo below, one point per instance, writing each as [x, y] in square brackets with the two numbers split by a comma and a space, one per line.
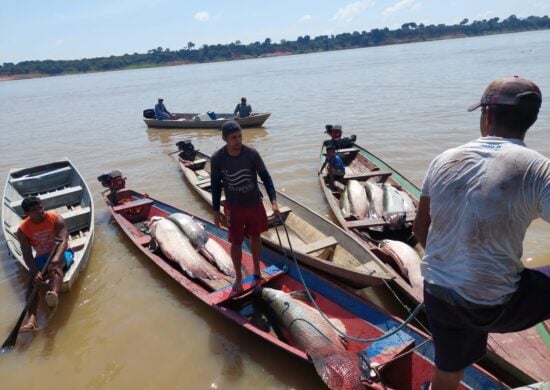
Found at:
[476, 204]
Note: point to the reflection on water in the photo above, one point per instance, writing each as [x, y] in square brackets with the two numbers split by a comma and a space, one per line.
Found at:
[126, 324]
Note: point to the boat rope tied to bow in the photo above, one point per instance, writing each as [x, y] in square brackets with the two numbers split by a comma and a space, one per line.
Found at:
[389, 333]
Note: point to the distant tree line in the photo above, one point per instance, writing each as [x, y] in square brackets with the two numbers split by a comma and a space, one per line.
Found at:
[409, 32]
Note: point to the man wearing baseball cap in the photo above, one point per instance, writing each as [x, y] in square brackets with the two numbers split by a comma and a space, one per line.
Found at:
[161, 113]
[476, 203]
[236, 167]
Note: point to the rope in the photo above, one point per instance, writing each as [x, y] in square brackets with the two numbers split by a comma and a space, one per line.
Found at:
[341, 333]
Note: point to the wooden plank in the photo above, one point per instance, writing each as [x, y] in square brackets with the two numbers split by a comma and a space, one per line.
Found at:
[204, 185]
[367, 175]
[77, 219]
[203, 173]
[135, 203]
[284, 211]
[319, 244]
[54, 199]
[373, 222]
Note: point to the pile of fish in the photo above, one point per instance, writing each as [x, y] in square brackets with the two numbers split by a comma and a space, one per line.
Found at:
[373, 200]
[339, 368]
[185, 242]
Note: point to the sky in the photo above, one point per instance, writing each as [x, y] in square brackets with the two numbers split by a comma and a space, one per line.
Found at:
[75, 29]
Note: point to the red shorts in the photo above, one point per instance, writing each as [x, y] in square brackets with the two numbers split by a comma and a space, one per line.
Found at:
[245, 221]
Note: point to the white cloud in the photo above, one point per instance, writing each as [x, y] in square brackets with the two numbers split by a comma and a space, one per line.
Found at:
[350, 11]
[305, 18]
[400, 6]
[59, 42]
[202, 16]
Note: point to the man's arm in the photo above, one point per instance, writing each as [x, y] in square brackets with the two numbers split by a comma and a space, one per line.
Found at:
[422, 222]
[27, 252]
[63, 235]
[236, 109]
[270, 189]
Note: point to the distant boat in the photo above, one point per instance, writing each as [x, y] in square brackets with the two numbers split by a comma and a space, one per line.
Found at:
[316, 241]
[204, 121]
[61, 188]
[524, 355]
[403, 360]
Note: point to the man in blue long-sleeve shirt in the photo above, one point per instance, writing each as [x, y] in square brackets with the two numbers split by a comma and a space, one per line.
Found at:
[161, 112]
[236, 167]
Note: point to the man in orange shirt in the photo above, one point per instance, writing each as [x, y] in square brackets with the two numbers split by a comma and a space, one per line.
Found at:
[39, 231]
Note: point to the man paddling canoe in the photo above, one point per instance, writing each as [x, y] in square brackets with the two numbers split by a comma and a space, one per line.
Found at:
[39, 231]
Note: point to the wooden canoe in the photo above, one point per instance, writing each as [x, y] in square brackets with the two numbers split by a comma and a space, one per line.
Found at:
[403, 361]
[524, 355]
[61, 188]
[188, 121]
[316, 241]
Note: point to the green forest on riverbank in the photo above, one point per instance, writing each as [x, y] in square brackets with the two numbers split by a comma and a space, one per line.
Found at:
[409, 32]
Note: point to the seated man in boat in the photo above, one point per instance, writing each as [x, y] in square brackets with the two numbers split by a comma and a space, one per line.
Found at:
[242, 109]
[161, 113]
[336, 168]
[476, 203]
[236, 167]
[39, 232]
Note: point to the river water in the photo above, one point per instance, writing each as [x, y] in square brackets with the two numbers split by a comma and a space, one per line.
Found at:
[127, 325]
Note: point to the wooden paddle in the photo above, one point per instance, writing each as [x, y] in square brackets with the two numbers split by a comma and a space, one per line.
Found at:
[12, 338]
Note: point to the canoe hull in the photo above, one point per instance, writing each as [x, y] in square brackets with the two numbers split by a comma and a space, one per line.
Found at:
[186, 121]
[61, 188]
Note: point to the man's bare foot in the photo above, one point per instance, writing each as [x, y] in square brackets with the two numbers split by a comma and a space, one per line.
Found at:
[236, 289]
[29, 327]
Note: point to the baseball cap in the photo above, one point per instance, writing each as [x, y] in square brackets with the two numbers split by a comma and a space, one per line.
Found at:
[161, 98]
[507, 91]
[230, 127]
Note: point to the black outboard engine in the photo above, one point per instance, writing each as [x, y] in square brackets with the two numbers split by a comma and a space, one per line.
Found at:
[149, 113]
[113, 180]
[187, 150]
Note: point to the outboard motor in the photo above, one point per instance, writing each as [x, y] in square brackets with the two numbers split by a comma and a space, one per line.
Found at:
[336, 139]
[149, 113]
[187, 150]
[113, 180]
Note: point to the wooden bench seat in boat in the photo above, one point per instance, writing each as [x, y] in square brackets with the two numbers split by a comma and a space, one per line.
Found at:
[202, 173]
[345, 151]
[195, 164]
[373, 222]
[133, 204]
[54, 199]
[367, 175]
[249, 283]
[75, 220]
[318, 245]
[388, 348]
[78, 219]
[46, 181]
[204, 185]
[284, 211]
[77, 243]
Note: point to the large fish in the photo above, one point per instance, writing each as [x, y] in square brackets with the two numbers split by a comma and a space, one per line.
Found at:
[407, 260]
[358, 199]
[339, 368]
[199, 238]
[177, 247]
[194, 231]
[375, 196]
[220, 256]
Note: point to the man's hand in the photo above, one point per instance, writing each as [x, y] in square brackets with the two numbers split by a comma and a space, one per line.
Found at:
[38, 279]
[275, 208]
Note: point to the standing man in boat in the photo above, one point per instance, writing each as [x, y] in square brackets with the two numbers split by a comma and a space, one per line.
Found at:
[476, 204]
[236, 167]
[161, 113]
[242, 109]
[39, 231]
